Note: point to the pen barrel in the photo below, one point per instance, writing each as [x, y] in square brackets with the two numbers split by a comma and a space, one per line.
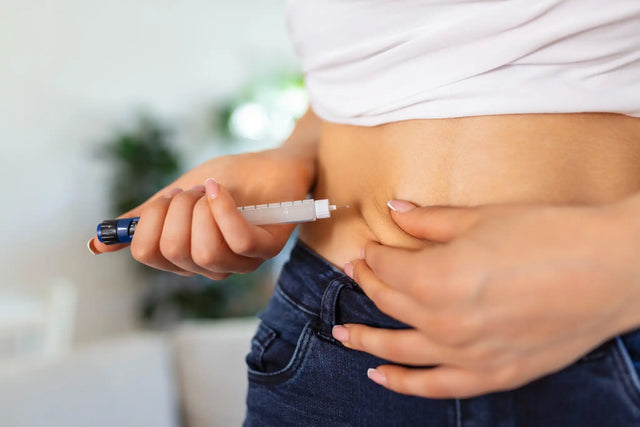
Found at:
[117, 231]
[280, 213]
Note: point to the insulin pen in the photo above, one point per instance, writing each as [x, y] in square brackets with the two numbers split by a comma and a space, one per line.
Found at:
[116, 231]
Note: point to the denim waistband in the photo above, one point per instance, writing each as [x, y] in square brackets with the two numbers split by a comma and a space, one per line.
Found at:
[306, 275]
[318, 288]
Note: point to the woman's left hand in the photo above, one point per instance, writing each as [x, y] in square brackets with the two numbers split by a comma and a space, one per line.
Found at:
[504, 295]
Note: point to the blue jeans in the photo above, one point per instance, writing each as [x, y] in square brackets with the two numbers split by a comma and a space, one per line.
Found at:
[300, 376]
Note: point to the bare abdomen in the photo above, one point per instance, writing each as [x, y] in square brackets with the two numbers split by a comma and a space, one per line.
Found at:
[568, 158]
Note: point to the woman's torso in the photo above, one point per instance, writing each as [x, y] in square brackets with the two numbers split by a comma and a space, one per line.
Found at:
[448, 88]
[556, 158]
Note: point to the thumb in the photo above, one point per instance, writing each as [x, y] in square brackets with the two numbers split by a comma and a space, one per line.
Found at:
[435, 223]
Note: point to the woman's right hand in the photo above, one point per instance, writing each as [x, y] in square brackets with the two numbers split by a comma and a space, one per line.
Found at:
[187, 229]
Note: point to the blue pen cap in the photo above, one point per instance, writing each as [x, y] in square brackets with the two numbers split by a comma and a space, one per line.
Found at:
[115, 231]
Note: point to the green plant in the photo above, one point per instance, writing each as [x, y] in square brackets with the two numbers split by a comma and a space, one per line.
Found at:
[174, 297]
[144, 162]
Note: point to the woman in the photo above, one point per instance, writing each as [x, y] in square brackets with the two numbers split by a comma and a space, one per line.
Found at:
[528, 107]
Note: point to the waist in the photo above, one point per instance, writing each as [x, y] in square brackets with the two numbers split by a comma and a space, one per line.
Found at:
[568, 158]
[319, 290]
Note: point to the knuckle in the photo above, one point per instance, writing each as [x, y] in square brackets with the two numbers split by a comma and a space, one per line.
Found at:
[204, 257]
[172, 251]
[361, 338]
[243, 246]
[143, 253]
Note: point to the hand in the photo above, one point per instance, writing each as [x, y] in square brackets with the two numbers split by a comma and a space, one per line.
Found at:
[188, 232]
[502, 296]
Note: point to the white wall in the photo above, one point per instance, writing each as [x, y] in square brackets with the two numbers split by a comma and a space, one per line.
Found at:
[71, 71]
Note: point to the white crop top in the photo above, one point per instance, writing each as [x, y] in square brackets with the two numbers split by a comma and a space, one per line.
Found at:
[368, 62]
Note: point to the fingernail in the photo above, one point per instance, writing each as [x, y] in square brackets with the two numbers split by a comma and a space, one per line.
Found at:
[172, 192]
[340, 333]
[212, 188]
[400, 206]
[197, 188]
[91, 248]
[348, 269]
[375, 376]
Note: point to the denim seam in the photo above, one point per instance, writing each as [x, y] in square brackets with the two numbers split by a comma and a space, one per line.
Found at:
[288, 299]
[263, 336]
[290, 369]
[626, 371]
[328, 302]
[458, 413]
[628, 362]
[328, 305]
[263, 347]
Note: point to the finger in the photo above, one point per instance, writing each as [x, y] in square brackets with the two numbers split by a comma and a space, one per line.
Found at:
[442, 382]
[394, 266]
[391, 302]
[418, 274]
[435, 223]
[242, 237]
[145, 246]
[175, 242]
[208, 248]
[406, 346]
[96, 247]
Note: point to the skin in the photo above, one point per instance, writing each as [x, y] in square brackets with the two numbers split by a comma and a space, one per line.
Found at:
[545, 210]
[470, 161]
[509, 293]
[193, 227]
[200, 231]
[543, 273]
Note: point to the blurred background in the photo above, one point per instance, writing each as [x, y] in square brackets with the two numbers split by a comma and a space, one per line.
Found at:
[101, 104]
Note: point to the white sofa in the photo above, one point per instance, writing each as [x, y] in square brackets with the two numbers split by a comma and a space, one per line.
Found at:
[192, 376]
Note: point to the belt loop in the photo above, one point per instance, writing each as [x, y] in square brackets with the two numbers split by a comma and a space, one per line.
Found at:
[328, 308]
